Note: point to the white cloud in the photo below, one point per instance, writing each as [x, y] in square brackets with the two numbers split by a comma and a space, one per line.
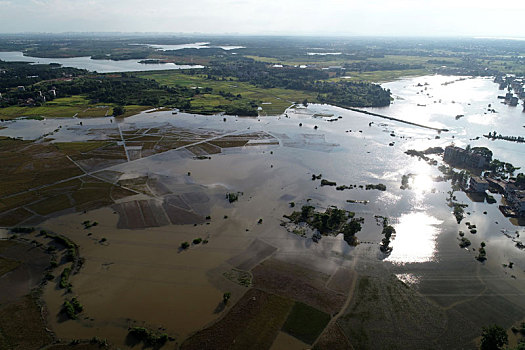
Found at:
[373, 17]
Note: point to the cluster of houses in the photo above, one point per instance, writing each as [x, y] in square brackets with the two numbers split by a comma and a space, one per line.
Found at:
[516, 84]
[512, 191]
[467, 158]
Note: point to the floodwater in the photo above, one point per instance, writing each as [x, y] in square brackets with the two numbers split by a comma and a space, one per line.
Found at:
[357, 150]
[100, 66]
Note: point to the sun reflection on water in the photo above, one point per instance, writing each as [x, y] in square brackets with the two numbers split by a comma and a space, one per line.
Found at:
[415, 239]
[421, 184]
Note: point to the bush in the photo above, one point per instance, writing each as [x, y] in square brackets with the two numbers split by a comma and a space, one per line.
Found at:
[327, 183]
[72, 308]
[64, 278]
[184, 245]
[148, 337]
[232, 197]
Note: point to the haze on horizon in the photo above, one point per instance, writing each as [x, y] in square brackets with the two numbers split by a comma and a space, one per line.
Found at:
[270, 17]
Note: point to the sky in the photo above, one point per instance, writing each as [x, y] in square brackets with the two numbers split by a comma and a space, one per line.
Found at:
[268, 17]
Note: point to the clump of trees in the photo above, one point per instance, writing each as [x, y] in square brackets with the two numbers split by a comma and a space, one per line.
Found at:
[380, 187]
[332, 222]
[482, 254]
[118, 110]
[493, 338]
[387, 232]
[458, 211]
[64, 278]
[72, 308]
[233, 196]
[147, 336]
[325, 182]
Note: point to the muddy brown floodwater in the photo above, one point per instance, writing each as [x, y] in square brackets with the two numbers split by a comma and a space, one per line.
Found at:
[175, 171]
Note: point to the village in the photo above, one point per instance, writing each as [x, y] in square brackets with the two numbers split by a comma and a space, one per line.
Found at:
[479, 159]
[512, 83]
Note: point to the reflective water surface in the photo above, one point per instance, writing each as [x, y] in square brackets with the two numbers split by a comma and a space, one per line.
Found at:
[100, 66]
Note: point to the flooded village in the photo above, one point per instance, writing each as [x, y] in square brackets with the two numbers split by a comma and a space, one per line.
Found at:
[298, 224]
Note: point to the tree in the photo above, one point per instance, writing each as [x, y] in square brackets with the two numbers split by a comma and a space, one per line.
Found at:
[118, 110]
[493, 338]
[305, 102]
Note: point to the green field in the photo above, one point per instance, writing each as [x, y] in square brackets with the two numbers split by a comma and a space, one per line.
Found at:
[68, 107]
[261, 331]
[275, 100]
[305, 323]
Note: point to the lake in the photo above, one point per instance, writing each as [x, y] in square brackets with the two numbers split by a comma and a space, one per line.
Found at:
[199, 45]
[100, 66]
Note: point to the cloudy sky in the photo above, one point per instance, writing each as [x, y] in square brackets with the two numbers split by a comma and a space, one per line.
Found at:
[290, 17]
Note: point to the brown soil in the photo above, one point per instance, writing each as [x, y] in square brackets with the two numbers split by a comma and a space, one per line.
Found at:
[298, 283]
[22, 327]
[254, 323]
[334, 339]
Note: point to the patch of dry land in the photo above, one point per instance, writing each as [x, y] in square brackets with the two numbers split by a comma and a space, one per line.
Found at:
[167, 231]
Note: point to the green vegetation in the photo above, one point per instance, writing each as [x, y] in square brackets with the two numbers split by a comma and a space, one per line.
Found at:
[379, 187]
[118, 111]
[482, 254]
[490, 199]
[148, 337]
[464, 242]
[333, 221]
[458, 211]
[184, 245]
[197, 241]
[458, 179]
[243, 278]
[88, 224]
[305, 323]
[327, 183]
[72, 308]
[387, 232]
[232, 197]
[493, 338]
[72, 248]
[64, 278]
